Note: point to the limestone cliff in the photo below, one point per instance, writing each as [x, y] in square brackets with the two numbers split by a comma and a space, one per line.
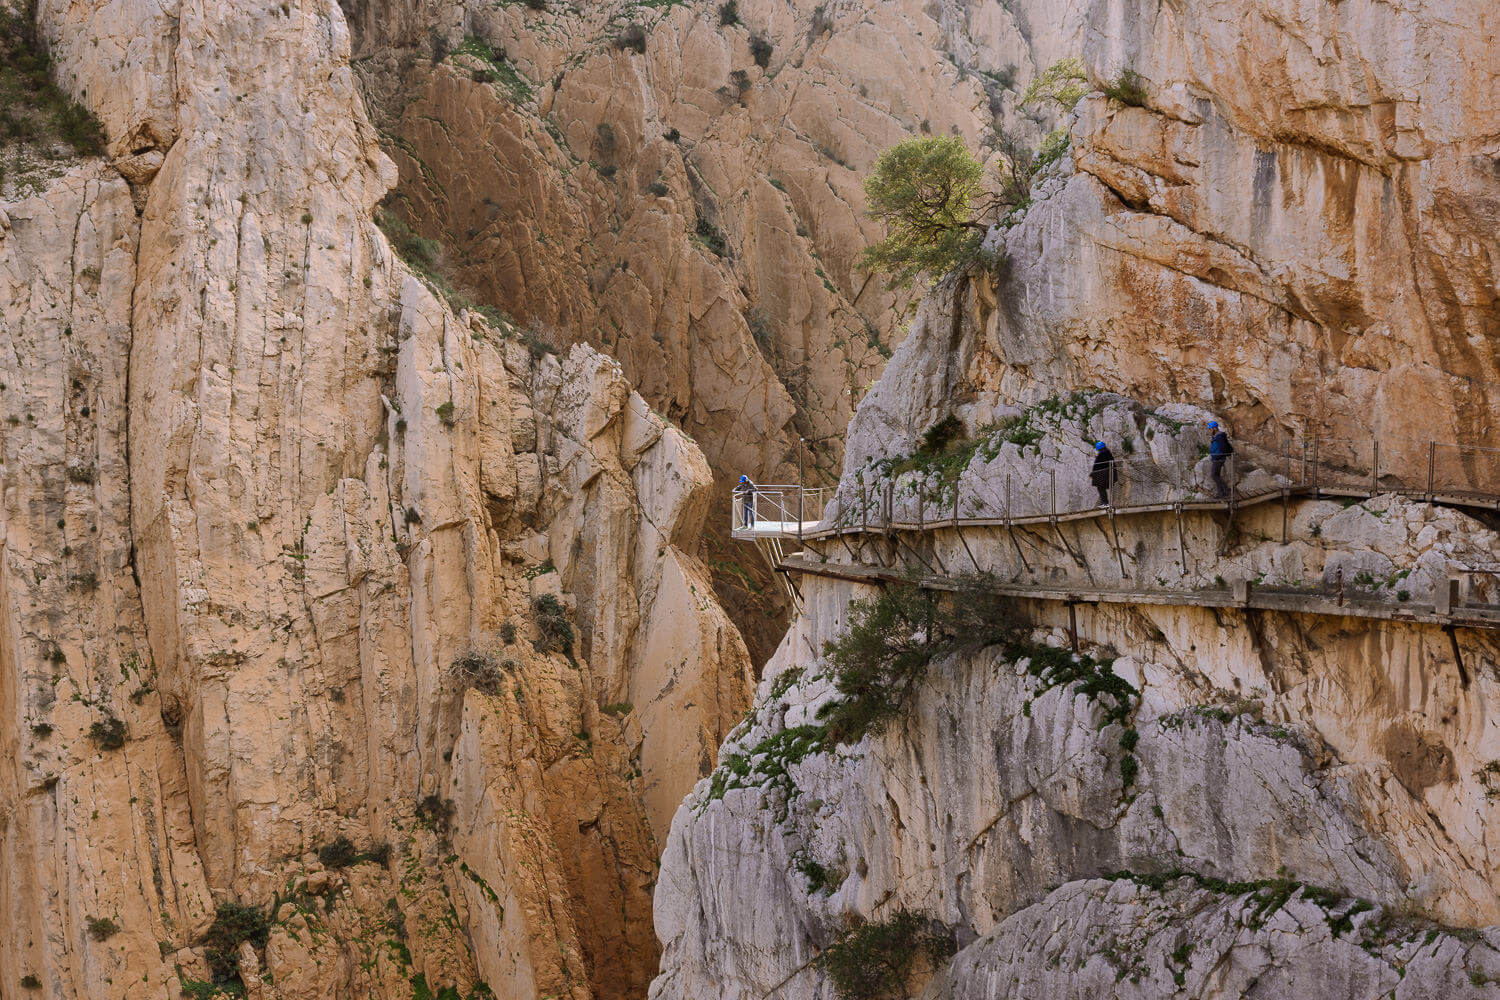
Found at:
[681, 185]
[350, 646]
[1292, 229]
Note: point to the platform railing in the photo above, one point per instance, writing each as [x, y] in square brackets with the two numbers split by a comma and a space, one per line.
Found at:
[781, 510]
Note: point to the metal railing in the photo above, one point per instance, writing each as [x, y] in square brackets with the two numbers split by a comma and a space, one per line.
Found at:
[778, 510]
[1024, 491]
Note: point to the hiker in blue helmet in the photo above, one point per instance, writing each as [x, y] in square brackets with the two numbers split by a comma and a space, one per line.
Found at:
[745, 492]
[1105, 472]
[1219, 450]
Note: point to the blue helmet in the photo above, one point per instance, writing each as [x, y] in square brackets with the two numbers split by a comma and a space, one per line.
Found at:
[1098, 445]
[744, 479]
[1213, 425]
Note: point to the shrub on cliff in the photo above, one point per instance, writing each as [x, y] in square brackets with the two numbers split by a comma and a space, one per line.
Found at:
[108, 733]
[892, 638]
[234, 923]
[876, 961]
[924, 189]
[555, 632]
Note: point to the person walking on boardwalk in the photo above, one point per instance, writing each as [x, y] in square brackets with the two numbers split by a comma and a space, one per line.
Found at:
[1105, 472]
[1219, 450]
[745, 491]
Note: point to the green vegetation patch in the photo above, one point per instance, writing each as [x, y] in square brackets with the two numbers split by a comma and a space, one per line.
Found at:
[496, 69]
[876, 961]
[234, 924]
[891, 640]
[33, 110]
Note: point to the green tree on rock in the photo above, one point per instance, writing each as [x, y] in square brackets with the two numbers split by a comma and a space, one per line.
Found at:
[925, 190]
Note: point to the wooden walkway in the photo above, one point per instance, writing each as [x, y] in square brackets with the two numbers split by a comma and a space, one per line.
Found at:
[1284, 599]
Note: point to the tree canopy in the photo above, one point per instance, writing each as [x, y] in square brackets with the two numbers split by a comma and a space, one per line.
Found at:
[924, 189]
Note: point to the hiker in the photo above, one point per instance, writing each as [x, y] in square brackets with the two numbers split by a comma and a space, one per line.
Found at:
[1219, 450]
[1105, 472]
[746, 493]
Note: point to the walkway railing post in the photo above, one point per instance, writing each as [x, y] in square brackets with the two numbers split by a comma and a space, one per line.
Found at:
[864, 510]
[1302, 480]
[1315, 467]
[1375, 466]
[801, 490]
[1340, 579]
[1007, 500]
[1431, 468]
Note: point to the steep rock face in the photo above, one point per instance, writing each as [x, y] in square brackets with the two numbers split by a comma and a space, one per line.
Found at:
[317, 595]
[683, 189]
[1002, 782]
[1298, 228]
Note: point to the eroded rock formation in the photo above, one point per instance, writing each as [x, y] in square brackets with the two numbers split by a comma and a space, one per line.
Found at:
[319, 599]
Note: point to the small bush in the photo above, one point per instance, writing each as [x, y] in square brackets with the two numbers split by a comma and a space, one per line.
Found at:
[445, 414]
[712, 237]
[876, 961]
[658, 189]
[729, 14]
[891, 639]
[508, 632]
[1129, 88]
[536, 4]
[41, 730]
[479, 671]
[436, 813]
[632, 38]
[537, 342]
[412, 516]
[108, 733]
[234, 923]
[339, 854]
[552, 623]
[672, 135]
[30, 982]
[739, 83]
[101, 928]
[760, 50]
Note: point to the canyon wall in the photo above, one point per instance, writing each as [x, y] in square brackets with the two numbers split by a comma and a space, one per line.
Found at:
[1293, 230]
[351, 647]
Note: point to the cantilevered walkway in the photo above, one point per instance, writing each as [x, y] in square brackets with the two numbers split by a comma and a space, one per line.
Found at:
[1435, 473]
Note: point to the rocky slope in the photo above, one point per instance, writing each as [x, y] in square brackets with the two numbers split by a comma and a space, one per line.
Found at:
[1210, 803]
[681, 186]
[1295, 233]
[351, 648]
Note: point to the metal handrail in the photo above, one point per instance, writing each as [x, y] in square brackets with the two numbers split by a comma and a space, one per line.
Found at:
[1432, 470]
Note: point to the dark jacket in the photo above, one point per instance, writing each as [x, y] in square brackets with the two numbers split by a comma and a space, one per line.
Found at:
[1105, 471]
[1220, 447]
[745, 491]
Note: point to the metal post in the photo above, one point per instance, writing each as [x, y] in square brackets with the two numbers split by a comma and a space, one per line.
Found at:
[1341, 586]
[1302, 480]
[1053, 476]
[1431, 468]
[1181, 539]
[1315, 467]
[1007, 500]
[864, 510]
[801, 490]
[1375, 468]
[1073, 626]
[1285, 491]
